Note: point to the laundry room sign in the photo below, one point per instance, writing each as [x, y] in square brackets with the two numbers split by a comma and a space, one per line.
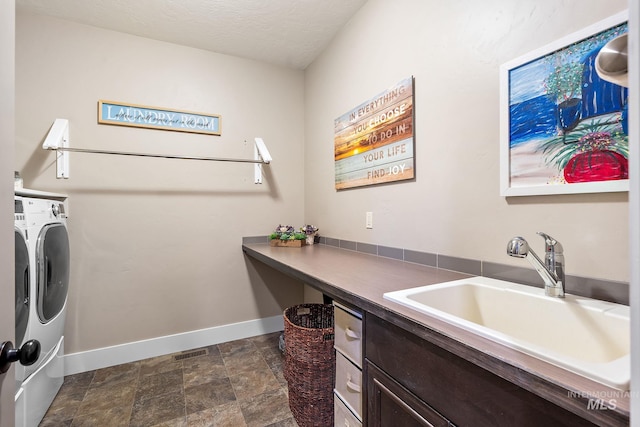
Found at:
[122, 114]
[373, 142]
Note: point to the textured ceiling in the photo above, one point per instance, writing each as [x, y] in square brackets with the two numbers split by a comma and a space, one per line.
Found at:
[291, 33]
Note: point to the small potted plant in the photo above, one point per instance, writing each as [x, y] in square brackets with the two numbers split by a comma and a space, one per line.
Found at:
[563, 86]
[310, 231]
[286, 235]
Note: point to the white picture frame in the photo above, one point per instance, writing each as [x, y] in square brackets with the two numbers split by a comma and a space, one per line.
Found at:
[532, 153]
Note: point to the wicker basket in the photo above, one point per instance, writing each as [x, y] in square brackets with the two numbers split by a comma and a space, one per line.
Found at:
[309, 363]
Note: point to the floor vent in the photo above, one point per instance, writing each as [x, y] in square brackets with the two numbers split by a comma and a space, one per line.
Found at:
[182, 356]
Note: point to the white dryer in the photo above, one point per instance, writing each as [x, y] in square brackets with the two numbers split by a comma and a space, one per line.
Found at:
[49, 266]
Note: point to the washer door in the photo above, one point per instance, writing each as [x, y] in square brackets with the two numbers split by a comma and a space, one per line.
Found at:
[22, 287]
[53, 270]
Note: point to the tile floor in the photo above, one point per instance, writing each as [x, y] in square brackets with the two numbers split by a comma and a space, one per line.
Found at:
[235, 384]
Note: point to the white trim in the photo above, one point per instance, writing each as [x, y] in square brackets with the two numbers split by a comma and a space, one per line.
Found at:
[130, 352]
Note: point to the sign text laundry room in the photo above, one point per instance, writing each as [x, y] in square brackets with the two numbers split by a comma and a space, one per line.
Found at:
[123, 114]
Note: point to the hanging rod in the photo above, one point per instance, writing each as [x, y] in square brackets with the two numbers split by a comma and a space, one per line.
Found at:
[58, 140]
[161, 156]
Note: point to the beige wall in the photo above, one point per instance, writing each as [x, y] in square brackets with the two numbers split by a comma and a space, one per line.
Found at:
[454, 50]
[156, 243]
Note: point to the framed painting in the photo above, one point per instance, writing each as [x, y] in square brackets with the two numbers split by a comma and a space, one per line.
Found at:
[373, 142]
[563, 119]
[142, 116]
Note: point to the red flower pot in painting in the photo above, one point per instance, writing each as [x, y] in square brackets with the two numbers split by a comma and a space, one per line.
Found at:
[598, 165]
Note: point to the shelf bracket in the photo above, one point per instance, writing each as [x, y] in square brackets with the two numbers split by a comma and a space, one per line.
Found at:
[260, 153]
[58, 139]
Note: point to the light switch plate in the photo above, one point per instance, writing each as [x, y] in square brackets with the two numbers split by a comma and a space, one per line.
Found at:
[369, 220]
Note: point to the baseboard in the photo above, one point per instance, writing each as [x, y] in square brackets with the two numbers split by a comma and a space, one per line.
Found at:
[124, 353]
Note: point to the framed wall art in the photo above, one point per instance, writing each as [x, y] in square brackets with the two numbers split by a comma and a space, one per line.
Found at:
[563, 118]
[373, 142]
[142, 116]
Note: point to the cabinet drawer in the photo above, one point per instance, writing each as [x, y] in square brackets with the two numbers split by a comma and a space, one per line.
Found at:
[348, 334]
[343, 416]
[349, 384]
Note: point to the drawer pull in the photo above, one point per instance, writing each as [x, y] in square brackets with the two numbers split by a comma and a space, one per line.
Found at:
[350, 333]
[353, 386]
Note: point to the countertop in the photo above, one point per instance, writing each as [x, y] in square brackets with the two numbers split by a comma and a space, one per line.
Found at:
[361, 280]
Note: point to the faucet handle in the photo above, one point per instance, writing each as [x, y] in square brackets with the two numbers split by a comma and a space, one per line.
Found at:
[551, 244]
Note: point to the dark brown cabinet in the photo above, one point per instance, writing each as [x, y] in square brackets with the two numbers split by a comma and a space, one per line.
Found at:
[411, 381]
[390, 404]
[410, 368]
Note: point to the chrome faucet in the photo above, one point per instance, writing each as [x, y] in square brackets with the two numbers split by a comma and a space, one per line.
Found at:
[551, 271]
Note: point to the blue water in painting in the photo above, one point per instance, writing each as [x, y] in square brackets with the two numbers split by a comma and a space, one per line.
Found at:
[534, 115]
[533, 118]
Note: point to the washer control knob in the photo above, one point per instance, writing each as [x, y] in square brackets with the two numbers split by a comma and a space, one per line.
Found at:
[55, 209]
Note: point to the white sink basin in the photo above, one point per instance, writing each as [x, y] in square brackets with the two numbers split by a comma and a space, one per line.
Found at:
[587, 336]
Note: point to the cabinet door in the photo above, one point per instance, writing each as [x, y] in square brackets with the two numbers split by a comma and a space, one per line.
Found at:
[458, 389]
[390, 404]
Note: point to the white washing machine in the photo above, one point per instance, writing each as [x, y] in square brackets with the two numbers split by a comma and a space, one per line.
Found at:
[49, 265]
